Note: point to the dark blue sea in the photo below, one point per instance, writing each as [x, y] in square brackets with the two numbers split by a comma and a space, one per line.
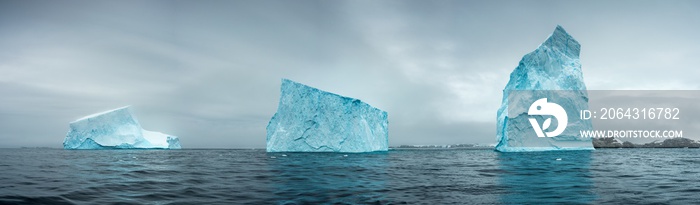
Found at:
[609, 176]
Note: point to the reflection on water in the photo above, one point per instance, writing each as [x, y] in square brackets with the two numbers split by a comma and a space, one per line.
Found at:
[313, 178]
[546, 177]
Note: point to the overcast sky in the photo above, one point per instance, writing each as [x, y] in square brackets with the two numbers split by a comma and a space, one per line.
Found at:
[209, 71]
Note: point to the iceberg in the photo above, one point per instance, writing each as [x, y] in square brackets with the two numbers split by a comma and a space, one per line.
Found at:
[115, 129]
[312, 120]
[548, 79]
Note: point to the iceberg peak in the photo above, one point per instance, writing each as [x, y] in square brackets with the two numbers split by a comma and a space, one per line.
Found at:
[561, 41]
[126, 108]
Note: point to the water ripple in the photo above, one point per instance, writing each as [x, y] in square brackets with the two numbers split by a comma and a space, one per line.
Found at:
[610, 176]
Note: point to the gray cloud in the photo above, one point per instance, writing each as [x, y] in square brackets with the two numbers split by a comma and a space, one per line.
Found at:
[209, 71]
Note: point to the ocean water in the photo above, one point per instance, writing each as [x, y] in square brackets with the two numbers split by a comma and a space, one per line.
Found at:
[611, 176]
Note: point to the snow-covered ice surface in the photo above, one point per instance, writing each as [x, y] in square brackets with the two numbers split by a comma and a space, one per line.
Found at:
[553, 66]
[115, 129]
[312, 120]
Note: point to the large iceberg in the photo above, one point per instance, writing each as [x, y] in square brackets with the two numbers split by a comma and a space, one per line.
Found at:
[115, 129]
[312, 120]
[547, 79]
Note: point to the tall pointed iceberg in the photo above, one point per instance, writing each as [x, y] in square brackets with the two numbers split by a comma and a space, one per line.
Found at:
[551, 74]
[312, 120]
[115, 129]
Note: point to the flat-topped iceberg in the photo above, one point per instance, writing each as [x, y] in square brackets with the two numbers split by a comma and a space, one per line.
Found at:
[312, 120]
[548, 83]
[115, 129]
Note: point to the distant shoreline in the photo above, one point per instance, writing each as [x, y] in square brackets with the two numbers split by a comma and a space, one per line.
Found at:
[647, 147]
[440, 148]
